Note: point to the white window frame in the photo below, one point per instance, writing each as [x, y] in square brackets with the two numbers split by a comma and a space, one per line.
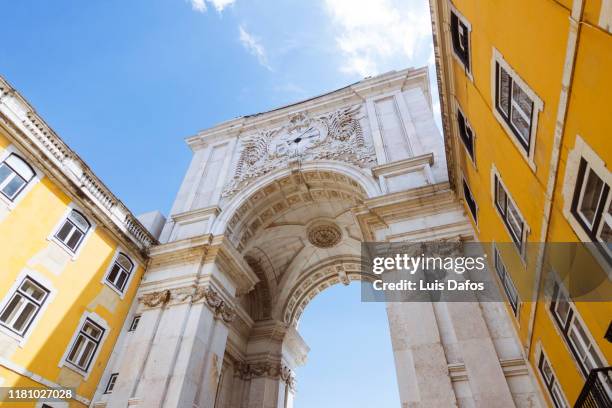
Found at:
[538, 106]
[521, 248]
[100, 322]
[472, 156]
[128, 282]
[564, 328]
[465, 183]
[134, 323]
[507, 277]
[41, 280]
[466, 23]
[541, 358]
[110, 384]
[582, 151]
[72, 206]
[38, 175]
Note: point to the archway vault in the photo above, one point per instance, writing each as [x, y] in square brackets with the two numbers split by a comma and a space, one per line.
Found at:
[293, 225]
[341, 270]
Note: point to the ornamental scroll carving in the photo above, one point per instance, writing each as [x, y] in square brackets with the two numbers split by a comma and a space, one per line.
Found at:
[219, 307]
[334, 136]
[156, 298]
[246, 371]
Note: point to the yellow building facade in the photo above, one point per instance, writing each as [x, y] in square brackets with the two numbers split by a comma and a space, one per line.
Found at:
[524, 89]
[72, 256]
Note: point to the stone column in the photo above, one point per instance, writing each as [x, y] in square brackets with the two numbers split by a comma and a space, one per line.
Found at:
[186, 304]
[175, 360]
[420, 362]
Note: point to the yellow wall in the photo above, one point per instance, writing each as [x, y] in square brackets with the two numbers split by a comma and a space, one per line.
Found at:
[533, 36]
[78, 286]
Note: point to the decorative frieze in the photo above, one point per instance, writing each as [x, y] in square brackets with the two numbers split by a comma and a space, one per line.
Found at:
[191, 294]
[334, 136]
[276, 371]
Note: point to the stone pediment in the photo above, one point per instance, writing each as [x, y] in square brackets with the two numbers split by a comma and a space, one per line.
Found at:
[334, 136]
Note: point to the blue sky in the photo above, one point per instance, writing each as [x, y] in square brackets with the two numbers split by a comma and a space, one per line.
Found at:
[124, 82]
[350, 364]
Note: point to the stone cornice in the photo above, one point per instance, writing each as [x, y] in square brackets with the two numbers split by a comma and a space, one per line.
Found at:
[347, 95]
[233, 264]
[220, 308]
[400, 165]
[33, 135]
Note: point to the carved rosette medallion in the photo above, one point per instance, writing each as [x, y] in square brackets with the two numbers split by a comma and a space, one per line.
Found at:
[334, 136]
[324, 234]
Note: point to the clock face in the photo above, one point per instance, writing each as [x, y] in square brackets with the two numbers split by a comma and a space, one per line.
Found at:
[298, 141]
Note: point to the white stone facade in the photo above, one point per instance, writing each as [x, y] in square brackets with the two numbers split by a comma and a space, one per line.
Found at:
[272, 210]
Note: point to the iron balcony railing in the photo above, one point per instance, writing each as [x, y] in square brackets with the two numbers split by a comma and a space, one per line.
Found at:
[597, 390]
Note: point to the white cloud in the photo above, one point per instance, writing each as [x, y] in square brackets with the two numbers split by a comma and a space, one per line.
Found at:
[252, 44]
[198, 5]
[219, 5]
[371, 34]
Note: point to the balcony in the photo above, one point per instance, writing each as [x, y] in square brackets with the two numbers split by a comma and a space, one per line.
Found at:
[597, 390]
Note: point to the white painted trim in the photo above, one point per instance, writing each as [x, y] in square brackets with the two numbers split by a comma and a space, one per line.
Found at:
[99, 321]
[526, 230]
[605, 16]
[538, 106]
[517, 314]
[38, 175]
[468, 69]
[39, 278]
[580, 151]
[464, 180]
[110, 267]
[538, 352]
[455, 124]
[72, 206]
[576, 315]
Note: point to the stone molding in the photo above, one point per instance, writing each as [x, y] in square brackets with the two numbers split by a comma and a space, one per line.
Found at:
[34, 135]
[276, 371]
[192, 294]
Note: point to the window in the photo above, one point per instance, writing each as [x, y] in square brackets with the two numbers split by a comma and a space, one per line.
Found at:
[24, 305]
[111, 383]
[134, 323]
[120, 272]
[574, 333]
[465, 133]
[73, 230]
[592, 207]
[15, 174]
[507, 283]
[550, 381]
[509, 213]
[514, 105]
[460, 36]
[86, 344]
[471, 203]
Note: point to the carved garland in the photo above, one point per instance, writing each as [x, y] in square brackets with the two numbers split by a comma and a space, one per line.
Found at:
[194, 294]
[246, 371]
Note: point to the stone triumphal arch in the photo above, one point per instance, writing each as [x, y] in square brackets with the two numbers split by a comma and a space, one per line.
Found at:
[273, 210]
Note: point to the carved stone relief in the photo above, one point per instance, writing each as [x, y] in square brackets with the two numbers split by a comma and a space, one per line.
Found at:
[334, 136]
[219, 307]
[324, 234]
[248, 371]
